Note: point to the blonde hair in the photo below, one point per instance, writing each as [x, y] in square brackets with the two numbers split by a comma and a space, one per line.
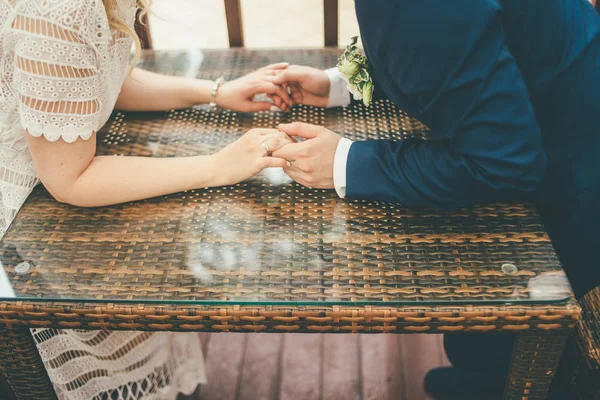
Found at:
[120, 26]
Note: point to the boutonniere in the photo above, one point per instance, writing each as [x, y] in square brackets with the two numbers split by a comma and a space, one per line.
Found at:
[354, 69]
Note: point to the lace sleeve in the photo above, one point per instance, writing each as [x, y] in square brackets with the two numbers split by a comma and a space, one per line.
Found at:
[56, 79]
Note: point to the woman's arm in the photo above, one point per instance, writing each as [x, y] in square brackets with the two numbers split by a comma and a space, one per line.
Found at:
[148, 91]
[73, 175]
[60, 106]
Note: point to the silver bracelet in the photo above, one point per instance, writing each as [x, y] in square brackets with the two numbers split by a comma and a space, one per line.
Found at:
[218, 83]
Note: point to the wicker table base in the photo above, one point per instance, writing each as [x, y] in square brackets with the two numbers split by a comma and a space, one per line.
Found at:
[22, 368]
[541, 331]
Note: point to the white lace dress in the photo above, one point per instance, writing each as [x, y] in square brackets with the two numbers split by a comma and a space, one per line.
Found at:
[62, 69]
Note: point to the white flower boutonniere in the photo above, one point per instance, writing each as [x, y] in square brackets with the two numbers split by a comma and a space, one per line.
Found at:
[354, 69]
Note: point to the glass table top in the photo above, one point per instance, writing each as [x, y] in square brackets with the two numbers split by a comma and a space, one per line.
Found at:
[269, 241]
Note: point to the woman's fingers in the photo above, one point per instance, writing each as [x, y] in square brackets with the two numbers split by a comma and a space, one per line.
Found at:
[279, 65]
[292, 74]
[265, 132]
[282, 104]
[255, 106]
[276, 141]
[277, 102]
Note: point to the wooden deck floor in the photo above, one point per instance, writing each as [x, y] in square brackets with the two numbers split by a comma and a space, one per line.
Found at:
[314, 366]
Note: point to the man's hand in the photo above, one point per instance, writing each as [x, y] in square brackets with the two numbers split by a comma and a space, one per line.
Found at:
[311, 160]
[237, 95]
[307, 85]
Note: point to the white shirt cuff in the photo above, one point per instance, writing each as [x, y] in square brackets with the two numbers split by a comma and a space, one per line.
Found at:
[339, 166]
[339, 95]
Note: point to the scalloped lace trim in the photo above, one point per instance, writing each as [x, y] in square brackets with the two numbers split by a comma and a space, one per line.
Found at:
[52, 133]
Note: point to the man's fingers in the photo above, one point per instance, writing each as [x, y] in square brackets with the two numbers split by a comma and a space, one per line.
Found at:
[282, 92]
[289, 152]
[296, 93]
[278, 102]
[299, 176]
[279, 105]
[271, 88]
[285, 136]
[272, 162]
[300, 129]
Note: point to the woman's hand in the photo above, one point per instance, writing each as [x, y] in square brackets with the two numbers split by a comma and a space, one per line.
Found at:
[308, 85]
[237, 95]
[248, 155]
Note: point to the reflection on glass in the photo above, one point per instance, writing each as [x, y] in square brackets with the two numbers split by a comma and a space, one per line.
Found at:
[238, 248]
[550, 285]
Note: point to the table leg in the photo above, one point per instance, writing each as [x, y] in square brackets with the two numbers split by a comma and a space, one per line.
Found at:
[5, 390]
[22, 366]
[534, 364]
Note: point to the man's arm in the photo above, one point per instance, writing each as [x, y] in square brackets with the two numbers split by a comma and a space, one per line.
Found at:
[451, 62]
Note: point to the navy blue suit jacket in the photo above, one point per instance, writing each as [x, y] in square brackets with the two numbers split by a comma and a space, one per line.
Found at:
[511, 92]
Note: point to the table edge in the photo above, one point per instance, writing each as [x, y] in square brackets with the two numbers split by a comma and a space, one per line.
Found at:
[343, 319]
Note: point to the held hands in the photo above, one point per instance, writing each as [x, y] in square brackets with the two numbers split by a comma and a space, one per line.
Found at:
[238, 94]
[249, 155]
[310, 161]
[307, 85]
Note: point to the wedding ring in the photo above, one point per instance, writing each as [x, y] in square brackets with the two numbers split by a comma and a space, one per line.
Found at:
[288, 163]
[265, 145]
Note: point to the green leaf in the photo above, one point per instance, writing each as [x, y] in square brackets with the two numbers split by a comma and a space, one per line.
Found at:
[367, 93]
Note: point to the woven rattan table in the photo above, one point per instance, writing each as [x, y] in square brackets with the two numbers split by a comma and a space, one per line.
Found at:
[271, 256]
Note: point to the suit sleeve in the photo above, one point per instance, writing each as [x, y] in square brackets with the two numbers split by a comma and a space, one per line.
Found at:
[451, 63]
